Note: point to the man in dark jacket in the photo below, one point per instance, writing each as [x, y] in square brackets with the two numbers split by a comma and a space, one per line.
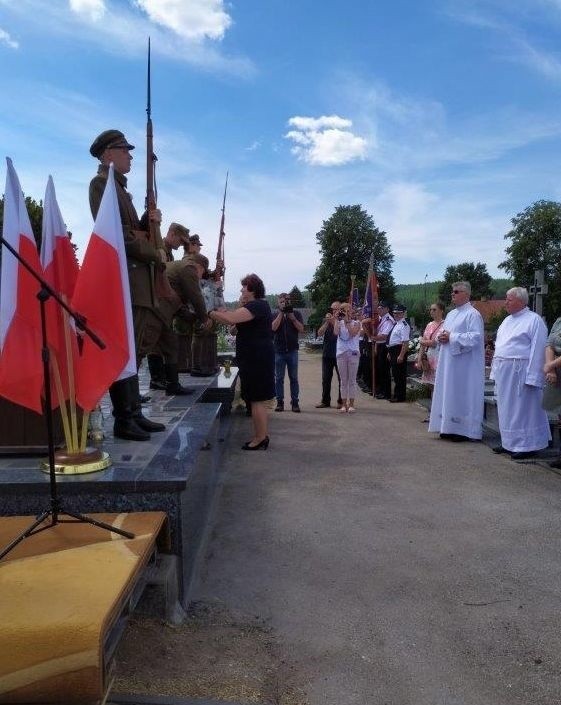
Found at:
[287, 325]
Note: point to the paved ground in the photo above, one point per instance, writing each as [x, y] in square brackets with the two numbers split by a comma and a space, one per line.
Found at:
[362, 561]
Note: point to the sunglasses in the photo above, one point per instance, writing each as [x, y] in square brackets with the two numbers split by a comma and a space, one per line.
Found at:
[457, 291]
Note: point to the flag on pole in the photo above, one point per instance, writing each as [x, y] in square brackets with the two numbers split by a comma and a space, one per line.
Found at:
[21, 368]
[60, 271]
[372, 290]
[355, 298]
[102, 296]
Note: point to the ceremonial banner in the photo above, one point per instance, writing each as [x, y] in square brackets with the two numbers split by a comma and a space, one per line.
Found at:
[21, 369]
[372, 291]
[102, 296]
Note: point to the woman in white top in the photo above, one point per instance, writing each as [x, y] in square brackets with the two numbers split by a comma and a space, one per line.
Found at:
[347, 330]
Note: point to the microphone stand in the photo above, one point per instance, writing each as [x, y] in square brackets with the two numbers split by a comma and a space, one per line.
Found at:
[56, 506]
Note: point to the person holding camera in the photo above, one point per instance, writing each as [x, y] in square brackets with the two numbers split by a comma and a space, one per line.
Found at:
[329, 358]
[347, 328]
[287, 325]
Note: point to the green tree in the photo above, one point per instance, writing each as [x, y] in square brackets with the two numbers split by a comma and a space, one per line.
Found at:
[35, 211]
[297, 298]
[346, 241]
[476, 274]
[496, 319]
[535, 243]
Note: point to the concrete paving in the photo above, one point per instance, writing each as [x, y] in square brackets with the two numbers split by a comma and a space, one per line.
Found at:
[395, 568]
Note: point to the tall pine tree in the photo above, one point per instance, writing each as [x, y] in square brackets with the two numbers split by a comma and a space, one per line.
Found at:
[346, 242]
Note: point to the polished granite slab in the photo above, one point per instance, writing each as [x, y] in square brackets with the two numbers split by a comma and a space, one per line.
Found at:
[176, 471]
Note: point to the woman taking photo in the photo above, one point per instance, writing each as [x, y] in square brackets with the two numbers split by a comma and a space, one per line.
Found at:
[346, 328]
[254, 354]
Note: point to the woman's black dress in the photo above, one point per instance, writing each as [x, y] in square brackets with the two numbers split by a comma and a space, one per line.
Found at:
[255, 353]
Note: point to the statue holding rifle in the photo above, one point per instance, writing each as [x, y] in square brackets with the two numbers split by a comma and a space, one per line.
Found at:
[151, 294]
[143, 260]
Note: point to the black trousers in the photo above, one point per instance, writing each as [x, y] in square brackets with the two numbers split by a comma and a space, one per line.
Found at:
[364, 373]
[328, 364]
[399, 373]
[383, 373]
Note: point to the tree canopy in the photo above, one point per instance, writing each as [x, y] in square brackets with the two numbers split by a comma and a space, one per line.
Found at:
[476, 274]
[297, 297]
[535, 243]
[35, 211]
[346, 241]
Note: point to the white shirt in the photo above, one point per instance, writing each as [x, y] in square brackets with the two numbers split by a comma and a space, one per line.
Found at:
[346, 341]
[400, 334]
[385, 325]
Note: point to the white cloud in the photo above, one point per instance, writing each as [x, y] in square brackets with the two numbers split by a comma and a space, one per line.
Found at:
[126, 26]
[91, 9]
[255, 145]
[325, 141]
[6, 39]
[196, 19]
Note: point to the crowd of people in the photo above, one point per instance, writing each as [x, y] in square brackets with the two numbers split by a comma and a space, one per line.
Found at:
[176, 309]
[525, 365]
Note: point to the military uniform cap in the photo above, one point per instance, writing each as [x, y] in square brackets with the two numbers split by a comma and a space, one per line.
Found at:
[181, 231]
[109, 140]
[399, 308]
[195, 240]
[195, 258]
[383, 304]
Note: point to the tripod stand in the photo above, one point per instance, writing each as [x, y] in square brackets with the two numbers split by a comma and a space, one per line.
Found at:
[56, 506]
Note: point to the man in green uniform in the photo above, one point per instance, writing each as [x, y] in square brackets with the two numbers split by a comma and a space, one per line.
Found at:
[144, 263]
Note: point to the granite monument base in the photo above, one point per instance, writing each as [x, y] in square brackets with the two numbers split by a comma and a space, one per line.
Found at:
[176, 471]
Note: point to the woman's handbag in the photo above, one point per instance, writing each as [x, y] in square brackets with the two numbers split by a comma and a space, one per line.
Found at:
[423, 360]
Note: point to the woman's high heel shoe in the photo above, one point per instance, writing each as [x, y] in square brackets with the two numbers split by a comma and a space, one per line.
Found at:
[263, 445]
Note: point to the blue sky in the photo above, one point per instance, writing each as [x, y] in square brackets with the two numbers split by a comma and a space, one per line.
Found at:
[441, 117]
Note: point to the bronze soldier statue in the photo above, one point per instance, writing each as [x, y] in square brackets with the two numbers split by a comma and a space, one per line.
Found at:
[177, 235]
[145, 265]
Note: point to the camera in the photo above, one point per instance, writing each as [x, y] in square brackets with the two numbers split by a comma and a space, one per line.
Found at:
[341, 315]
[287, 308]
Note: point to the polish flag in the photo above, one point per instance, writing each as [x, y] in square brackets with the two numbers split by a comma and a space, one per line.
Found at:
[60, 271]
[102, 296]
[21, 368]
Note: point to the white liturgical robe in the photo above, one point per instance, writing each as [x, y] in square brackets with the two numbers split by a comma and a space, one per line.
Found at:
[457, 402]
[519, 380]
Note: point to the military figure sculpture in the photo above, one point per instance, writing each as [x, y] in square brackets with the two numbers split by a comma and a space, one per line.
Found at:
[143, 261]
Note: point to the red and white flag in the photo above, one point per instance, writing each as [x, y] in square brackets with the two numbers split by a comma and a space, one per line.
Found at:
[102, 295]
[21, 368]
[61, 271]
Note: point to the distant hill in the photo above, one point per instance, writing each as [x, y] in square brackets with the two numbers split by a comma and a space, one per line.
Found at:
[415, 295]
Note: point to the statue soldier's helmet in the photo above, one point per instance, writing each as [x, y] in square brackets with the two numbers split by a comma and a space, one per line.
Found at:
[109, 140]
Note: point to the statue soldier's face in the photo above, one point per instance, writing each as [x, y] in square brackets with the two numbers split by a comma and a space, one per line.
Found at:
[121, 158]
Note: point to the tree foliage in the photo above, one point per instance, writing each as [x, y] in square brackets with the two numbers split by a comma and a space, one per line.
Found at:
[35, 211]
[476, 274]
[346, 241]
[297, 297]
[535, 243]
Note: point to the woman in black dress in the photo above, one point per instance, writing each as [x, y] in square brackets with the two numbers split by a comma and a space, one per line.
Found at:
[254, 353]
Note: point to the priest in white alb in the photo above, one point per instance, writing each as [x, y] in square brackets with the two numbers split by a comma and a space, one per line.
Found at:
[457, 402]
[519, 379]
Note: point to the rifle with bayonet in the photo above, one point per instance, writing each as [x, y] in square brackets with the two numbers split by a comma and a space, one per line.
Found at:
[162, 288]
[220, 269]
